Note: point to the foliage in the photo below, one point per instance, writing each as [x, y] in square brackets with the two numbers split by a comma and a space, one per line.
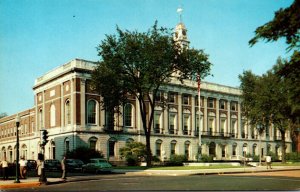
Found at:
[206, 158]
[274, 157]
[136, 64]
[293, 157]
[133, 152]
[3, 115]
[265, 101]
[84, 154]
[176, 160]
[286, 24]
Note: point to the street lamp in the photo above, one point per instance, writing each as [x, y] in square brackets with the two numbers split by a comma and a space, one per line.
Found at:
[17, 149]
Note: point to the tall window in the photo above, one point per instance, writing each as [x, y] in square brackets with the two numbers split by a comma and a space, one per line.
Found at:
[128, 115]
[158, 148]
[234, 146]
[173, 147]
[186, 124]
[233, 106]
[187, 149]
[91, 112]
[67, 113]
[52, 115]
[111, 148]
[93, 142]
[212, 149]
[172, 120]
[157, 122]
[67, 145]
[222, 104]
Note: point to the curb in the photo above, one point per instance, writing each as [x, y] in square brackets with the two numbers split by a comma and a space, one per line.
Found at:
[20, 185]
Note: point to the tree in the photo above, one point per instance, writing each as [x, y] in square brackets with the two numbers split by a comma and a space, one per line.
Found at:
[84, 154]
[3, 115]
[134, 152]
[137, 64]
[265, 101]
[286, 24]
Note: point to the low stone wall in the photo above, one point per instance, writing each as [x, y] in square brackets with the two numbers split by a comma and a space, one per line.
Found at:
[211, 164]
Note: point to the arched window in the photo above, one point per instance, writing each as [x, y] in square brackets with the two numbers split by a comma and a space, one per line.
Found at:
[187, 149]
[67, 113]
[245, 149]
[67, 145]
[173, 147]
[128, 115]
[91, 112]
[158, 148]
[234, 146]
[52, 115]
[212, 149]
[254, 148]
[10, 153]
[111, 147]
[92, 142]
[24, 151]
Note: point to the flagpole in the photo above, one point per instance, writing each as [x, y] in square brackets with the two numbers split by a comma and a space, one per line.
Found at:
[199, 111]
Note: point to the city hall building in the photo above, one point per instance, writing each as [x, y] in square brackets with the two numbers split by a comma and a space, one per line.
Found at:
[68, 107]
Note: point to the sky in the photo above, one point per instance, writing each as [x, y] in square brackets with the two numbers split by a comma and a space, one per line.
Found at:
[37, 36]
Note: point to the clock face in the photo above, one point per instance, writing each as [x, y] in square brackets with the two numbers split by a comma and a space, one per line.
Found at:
[92, 87]
[183, 32]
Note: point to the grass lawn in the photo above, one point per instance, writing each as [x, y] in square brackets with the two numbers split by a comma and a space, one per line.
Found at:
[286, 164]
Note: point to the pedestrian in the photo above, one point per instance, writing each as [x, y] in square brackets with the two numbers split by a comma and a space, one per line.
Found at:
[23, 168]
[63, 168]
[39, 166]
[4, 164]
[268, 161]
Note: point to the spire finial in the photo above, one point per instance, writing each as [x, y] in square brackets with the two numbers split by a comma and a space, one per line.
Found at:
[179, 11]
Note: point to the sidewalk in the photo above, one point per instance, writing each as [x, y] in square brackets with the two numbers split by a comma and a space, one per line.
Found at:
[34, 181]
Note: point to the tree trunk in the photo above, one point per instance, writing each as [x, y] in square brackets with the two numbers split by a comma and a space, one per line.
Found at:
[148, 149]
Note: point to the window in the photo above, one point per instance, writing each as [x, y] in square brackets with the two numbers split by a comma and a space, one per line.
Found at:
[172, 120]
[67, 145]
[223, 151]
[92, 143]
[91, 112]
[234, 146]
[212, 149]
[222, 104]
[67, 113]
[128, 115]
[187, 149]
[111, 148]
[211, 103]
[171, 97]
[254, 148]
[233, 106]
[185, 99]
[158, 148]
[173, 147]
[157, 122]
[52, 115]
[186, 124]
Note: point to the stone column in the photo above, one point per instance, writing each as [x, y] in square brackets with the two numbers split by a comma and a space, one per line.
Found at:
[193, 114]
[239, 120]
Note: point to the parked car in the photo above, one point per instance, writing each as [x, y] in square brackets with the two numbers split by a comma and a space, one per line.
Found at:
[97, 165]
[31, 164]
[52, 165]
[74, 164]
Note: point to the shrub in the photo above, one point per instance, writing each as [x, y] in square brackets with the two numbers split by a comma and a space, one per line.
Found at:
[133, 152]
[176, 160]
[294, 157]
[206, 158]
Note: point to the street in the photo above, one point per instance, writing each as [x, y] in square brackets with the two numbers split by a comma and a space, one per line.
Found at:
[116, 182]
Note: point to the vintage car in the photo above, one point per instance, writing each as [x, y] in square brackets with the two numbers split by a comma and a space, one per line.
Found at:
[97, 165]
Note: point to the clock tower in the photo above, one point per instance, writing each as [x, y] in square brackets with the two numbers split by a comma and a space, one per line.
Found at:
[180, 35]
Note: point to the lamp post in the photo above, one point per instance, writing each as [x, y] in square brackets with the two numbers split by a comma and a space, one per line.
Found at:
[17, 149]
